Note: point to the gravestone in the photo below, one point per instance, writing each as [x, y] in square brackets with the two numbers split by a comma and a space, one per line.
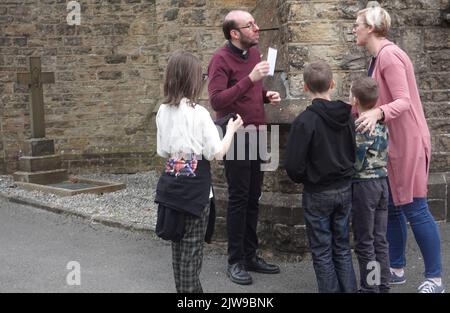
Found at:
[39, 163]
[39, 167]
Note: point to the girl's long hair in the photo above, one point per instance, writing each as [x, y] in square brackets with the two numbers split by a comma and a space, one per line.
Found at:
[183, 78]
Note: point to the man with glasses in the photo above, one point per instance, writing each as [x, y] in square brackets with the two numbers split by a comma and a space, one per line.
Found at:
[235, 86]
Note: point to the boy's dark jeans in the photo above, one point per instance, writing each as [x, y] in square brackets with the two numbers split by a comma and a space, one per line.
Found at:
[369, 223]
[327, 224]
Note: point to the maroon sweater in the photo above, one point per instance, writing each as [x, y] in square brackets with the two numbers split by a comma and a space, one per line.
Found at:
[231, 90]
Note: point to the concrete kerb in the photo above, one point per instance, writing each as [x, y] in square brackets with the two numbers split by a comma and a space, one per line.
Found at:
[65, 211]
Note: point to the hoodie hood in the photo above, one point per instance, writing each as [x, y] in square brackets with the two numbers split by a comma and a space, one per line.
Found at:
[336, 114]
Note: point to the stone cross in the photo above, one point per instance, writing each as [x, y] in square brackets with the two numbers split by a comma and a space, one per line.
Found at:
[35, 79]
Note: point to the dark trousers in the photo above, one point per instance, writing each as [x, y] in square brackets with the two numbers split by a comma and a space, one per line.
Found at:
[369, 222]
[244, 179]
[327, 216]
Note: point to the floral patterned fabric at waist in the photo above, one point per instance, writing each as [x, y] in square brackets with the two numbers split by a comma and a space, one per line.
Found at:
[181, 167]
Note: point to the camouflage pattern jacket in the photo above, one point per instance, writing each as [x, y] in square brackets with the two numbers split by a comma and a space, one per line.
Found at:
[371, 154]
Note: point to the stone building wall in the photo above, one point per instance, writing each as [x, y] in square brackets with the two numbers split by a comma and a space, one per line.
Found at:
[108, 74]
[107, 80]
[308, 30]
[109, 69]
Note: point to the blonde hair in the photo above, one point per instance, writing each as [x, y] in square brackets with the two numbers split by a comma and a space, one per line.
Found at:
[377, 17]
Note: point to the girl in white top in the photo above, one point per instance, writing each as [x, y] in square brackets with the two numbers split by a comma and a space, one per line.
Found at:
[185, 135]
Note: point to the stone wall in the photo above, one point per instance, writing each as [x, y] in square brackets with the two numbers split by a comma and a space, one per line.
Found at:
[109, 69]
[304, 31]
[99, 110]
[108, 73]
[421, 30]
[308, 30]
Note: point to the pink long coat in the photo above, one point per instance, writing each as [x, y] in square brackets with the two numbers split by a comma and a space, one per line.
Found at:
[409, 138]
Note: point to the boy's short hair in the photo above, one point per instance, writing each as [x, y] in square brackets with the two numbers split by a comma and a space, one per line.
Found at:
[365, 89]
[318, 76]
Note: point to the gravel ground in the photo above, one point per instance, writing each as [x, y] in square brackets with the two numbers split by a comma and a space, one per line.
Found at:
[132, 207]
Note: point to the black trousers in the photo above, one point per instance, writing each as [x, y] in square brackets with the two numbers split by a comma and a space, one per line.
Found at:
[369, 222]
[244, 190]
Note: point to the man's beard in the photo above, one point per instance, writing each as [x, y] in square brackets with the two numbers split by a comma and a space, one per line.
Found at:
[246, 43]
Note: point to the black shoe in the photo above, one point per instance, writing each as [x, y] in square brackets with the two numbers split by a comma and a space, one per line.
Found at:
[237, 274]
[258, 265]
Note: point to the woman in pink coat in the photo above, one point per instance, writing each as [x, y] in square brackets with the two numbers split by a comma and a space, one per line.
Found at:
[409, 150]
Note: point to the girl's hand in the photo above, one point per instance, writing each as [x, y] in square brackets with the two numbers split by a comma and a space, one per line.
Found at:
[234, 125]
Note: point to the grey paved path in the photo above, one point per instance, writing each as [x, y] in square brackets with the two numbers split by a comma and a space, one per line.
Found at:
[36, 246]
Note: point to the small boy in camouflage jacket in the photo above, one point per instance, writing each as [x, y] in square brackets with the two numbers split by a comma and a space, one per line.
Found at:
[370, 194]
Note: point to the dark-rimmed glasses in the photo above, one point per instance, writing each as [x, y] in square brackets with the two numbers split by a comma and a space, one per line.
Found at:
[250, 25]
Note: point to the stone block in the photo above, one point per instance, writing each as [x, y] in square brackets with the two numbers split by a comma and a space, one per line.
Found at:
[2, 166]
[20, 41]
[65, 30]
[26, 29]
[264, 232]
[438, 209]
[289, 239]
[313, 31]
[439, 126]
[412, 17]
[447, 179]
[437, 195]
[295, 86]
[110, 75]
[298, 56]
[221, 200]
[116, 59]
[298, 214]
[38, 147]
[220, 229]
[437, 186]
[281, 207]
[43, 178]
[192, 3]
[40, 163]
[440, 61]
[438, 109]
[442, 143]
[287, 111]
[72, 41]
[440, 162]
[4, 41]
[333, 10]
[436, 38]
[412, 40]
[121, 28]
[73, 186]
[300, 238]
